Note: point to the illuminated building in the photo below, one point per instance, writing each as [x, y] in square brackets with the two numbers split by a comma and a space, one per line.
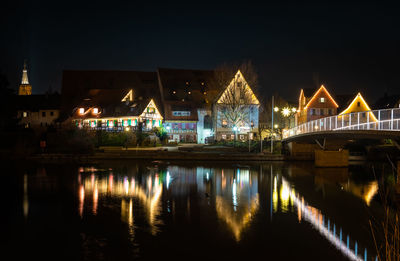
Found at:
[25, 88]
[187, 97]
[315, 104]
[358, 104]
[236, 111]
[112, 100]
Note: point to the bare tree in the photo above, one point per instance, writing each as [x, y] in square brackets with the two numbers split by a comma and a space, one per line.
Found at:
[238, 97]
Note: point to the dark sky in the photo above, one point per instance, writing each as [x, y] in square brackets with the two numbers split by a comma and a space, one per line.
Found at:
[352, 46]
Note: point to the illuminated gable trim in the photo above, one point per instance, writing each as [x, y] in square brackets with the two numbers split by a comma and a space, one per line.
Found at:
[238, 75]
[128, 96]
[358, 97]
[316, 94]
[300, 98]
[155, 107]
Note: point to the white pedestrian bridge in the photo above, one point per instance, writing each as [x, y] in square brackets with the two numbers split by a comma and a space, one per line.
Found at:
[383, 123]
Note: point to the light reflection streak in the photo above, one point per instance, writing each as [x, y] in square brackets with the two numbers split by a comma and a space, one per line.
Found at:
[148, 193]
[26, 200]
[236, 204]
[315, 218]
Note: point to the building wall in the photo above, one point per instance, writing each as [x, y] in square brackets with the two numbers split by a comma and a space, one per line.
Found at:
[37, 119]
[245, 127]
[181, 131]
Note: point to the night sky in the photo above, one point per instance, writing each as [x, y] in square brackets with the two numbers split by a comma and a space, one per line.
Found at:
[351, 46]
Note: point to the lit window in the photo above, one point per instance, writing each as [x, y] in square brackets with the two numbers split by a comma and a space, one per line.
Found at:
[24, 114]
[224, 123]
[95, 110]
[224, 136]
[81, 110]
[322, 99]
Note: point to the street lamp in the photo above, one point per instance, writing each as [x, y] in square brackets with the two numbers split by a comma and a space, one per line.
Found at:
[235, 130]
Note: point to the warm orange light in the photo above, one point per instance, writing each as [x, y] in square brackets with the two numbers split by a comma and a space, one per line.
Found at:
[353, 107]
[316, 94]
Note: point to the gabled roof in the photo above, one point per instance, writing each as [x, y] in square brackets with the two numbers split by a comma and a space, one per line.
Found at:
[321, 89]
[250, 93]
[353, 106]
[80, 85]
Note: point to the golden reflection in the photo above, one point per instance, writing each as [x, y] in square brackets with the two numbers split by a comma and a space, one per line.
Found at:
[236, 221]
[315, 217]
[340, 176]
[275, 196]
[81, 200]
[148, 193]
[364, 191]
[236, 203]
[127, 213]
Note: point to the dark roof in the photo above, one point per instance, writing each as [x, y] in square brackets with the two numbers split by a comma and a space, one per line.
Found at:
[387, 101]
[38, 102]
[107, 87]
[198, 87]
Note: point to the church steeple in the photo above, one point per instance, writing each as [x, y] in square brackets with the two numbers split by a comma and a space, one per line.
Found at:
[25, 88]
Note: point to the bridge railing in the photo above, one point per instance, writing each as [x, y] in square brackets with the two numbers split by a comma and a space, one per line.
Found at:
[383, 120]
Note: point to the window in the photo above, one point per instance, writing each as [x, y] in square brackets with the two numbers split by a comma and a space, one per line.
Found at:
[322, 100]
[358, 104]
[224, 123]
[52, 113]
[312, 111]
[43, 114]
[232, 137]
[224, 136]
[330, 112]
[81, 110]
[181, 113]
[95, 110]
[24, 114]
[150, 109]
[241, 137]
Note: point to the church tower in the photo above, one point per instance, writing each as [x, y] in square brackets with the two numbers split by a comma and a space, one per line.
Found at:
[25, 88]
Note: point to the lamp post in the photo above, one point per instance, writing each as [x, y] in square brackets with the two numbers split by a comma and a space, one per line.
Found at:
[286, 112]
[235, 131]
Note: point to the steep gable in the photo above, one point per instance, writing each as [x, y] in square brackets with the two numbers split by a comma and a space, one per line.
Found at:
[358, 105]
[321, 99]
[238, 92]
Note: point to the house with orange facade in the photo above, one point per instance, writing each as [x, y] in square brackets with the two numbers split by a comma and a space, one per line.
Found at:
[315, 104]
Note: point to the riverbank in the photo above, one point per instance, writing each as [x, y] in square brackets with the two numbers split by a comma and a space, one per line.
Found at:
[158, 155]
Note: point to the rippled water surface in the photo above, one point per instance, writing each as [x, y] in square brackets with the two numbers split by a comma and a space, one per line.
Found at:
[204, 211]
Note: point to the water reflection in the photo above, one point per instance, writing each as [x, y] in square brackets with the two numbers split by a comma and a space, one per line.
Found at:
[234, 192]
[100, 186]
[341, 177]
[238, 201]
[25, 200]
[288, 196]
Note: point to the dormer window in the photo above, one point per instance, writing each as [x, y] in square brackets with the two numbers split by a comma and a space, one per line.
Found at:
[95, 110]
[322, 100]
[81, 111]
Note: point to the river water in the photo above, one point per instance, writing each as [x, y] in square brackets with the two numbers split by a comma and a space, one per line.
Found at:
[125, 210]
